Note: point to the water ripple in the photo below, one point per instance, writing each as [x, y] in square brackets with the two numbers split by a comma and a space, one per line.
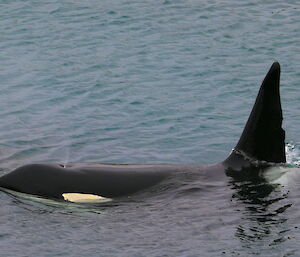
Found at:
[144, 81]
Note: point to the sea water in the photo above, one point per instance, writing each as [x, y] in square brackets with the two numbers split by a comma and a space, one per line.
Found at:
[147, 82]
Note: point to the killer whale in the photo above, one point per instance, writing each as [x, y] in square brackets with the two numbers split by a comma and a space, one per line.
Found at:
[262, 143]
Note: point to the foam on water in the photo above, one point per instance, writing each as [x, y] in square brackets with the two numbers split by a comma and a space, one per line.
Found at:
[292, 154]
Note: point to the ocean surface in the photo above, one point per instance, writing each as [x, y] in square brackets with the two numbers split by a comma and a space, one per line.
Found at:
[147, 82]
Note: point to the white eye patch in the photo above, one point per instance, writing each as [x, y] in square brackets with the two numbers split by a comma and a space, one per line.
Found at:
[84, 198]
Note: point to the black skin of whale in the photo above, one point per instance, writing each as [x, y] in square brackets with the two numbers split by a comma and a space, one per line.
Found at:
[262, 140]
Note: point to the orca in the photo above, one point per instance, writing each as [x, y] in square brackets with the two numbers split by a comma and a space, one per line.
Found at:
[261, 144]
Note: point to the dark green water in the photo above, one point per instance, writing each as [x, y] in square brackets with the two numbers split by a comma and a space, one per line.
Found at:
[146, 82]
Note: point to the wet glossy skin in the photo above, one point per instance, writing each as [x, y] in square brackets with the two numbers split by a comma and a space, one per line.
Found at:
[52, 180]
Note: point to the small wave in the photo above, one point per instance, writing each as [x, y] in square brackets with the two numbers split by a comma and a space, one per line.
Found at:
[292, 154]
[286, 174]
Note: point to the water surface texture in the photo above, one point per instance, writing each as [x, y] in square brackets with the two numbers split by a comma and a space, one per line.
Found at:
[146, 82]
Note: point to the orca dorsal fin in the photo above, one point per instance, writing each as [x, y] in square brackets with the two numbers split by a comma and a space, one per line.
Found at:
[263, 137]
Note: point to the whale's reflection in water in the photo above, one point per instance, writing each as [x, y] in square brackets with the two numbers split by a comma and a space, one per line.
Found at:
[263, 208]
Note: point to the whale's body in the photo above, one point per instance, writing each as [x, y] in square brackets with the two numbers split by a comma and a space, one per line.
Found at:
[262, 140]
